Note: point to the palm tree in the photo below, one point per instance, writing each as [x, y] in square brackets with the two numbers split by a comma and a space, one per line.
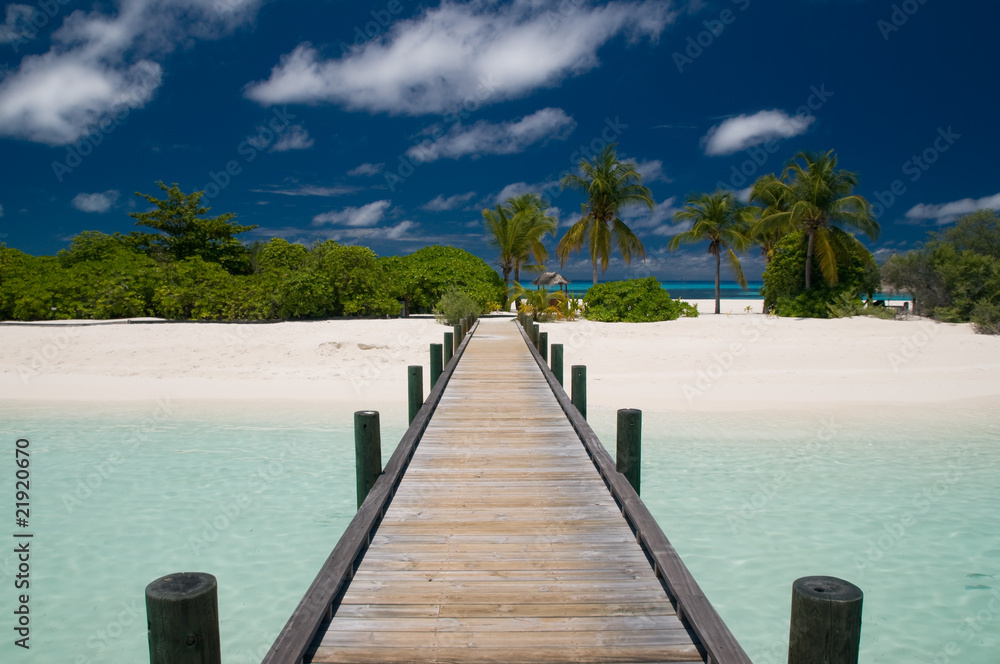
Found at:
[610, 186]
[529, 216]
[717, 218]
[517, 229]
[769, 200]
[819, 198]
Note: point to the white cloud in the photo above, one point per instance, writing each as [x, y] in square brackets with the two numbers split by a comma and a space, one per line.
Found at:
[503, 138]
[102, 65]
[310, 190]
[366, 215]
[651, 171]
[441, 204]
[294, 137]
[366, 169]
[658, 221]
[949, 212]
[745, 131]
[99, 202]
[480, 51]
[517, 188]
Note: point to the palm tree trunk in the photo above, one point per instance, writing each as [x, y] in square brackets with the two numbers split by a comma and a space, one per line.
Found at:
[718, 260]
[517, 274]
[595, 271]
[809, 258]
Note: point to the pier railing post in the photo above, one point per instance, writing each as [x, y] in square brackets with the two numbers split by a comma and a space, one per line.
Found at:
[579, 388]
[449, 346]
[456, 337]
[543, 345]
[534, 334]
[826, 621]
[182, 614]
[629, 457]
[367, 451]
[437, 356]
[416, 385]
[557, 362]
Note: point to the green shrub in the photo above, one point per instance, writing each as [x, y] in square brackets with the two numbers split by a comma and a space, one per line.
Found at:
[784, 287]
[986, 317]
[455, 306]
[423, 277]
[848, 305]
[634, 301]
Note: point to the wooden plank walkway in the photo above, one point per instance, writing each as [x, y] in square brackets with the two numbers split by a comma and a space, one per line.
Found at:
[502, 543]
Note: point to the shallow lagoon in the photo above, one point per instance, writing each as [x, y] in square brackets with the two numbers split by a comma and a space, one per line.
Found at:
[904, 504]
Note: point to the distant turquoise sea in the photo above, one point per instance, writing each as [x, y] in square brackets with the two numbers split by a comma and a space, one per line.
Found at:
[705, 290]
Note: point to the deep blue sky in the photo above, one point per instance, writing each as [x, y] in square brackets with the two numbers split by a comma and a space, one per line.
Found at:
[173, 89]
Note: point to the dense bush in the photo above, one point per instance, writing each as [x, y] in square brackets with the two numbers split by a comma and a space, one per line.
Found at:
[634, 301]
[784, 287]
[424, 276]
[955, 275]
[455, 306]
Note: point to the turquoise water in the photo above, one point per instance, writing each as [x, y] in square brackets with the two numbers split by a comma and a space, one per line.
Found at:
[905, 505]
[705, 290]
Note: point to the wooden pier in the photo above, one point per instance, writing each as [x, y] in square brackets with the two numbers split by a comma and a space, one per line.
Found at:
[501, 532]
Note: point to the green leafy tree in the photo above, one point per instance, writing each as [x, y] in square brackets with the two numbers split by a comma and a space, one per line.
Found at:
[610, 185]
[634, 301]
[423, 277]
[541, 303]
[716, 218]
[785, 292]
[818, 198]
[185, 232]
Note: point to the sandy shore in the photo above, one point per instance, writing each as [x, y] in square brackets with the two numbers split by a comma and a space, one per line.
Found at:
[733, 361]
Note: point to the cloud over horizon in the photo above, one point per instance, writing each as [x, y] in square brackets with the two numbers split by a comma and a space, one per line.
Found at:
[485, 137]
[100, 202]
[745, 131]
[478, 52]
[946, 213]
[355, 217]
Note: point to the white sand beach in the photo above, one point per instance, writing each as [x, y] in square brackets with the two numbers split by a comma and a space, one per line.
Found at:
[733, 361]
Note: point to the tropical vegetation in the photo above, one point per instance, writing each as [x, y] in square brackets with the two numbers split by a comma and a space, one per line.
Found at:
[718, 218]
[634, 301]
[955, 275]
[610, 185]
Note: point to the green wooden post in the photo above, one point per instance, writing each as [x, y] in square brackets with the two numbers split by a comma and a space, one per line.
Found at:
[465, 327]
[182, 617]
[457, 332]
[534, 334]
[579, 387]
[557, 362]
[367, 451]
[543, 345]
[826, 621]
[629, 461]
[437, 356]
[449, 346]
[416, 373]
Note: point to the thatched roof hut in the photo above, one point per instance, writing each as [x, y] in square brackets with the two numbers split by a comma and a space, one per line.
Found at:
[550, 279]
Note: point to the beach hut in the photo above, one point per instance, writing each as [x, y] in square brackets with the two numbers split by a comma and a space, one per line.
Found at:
[551, 279]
